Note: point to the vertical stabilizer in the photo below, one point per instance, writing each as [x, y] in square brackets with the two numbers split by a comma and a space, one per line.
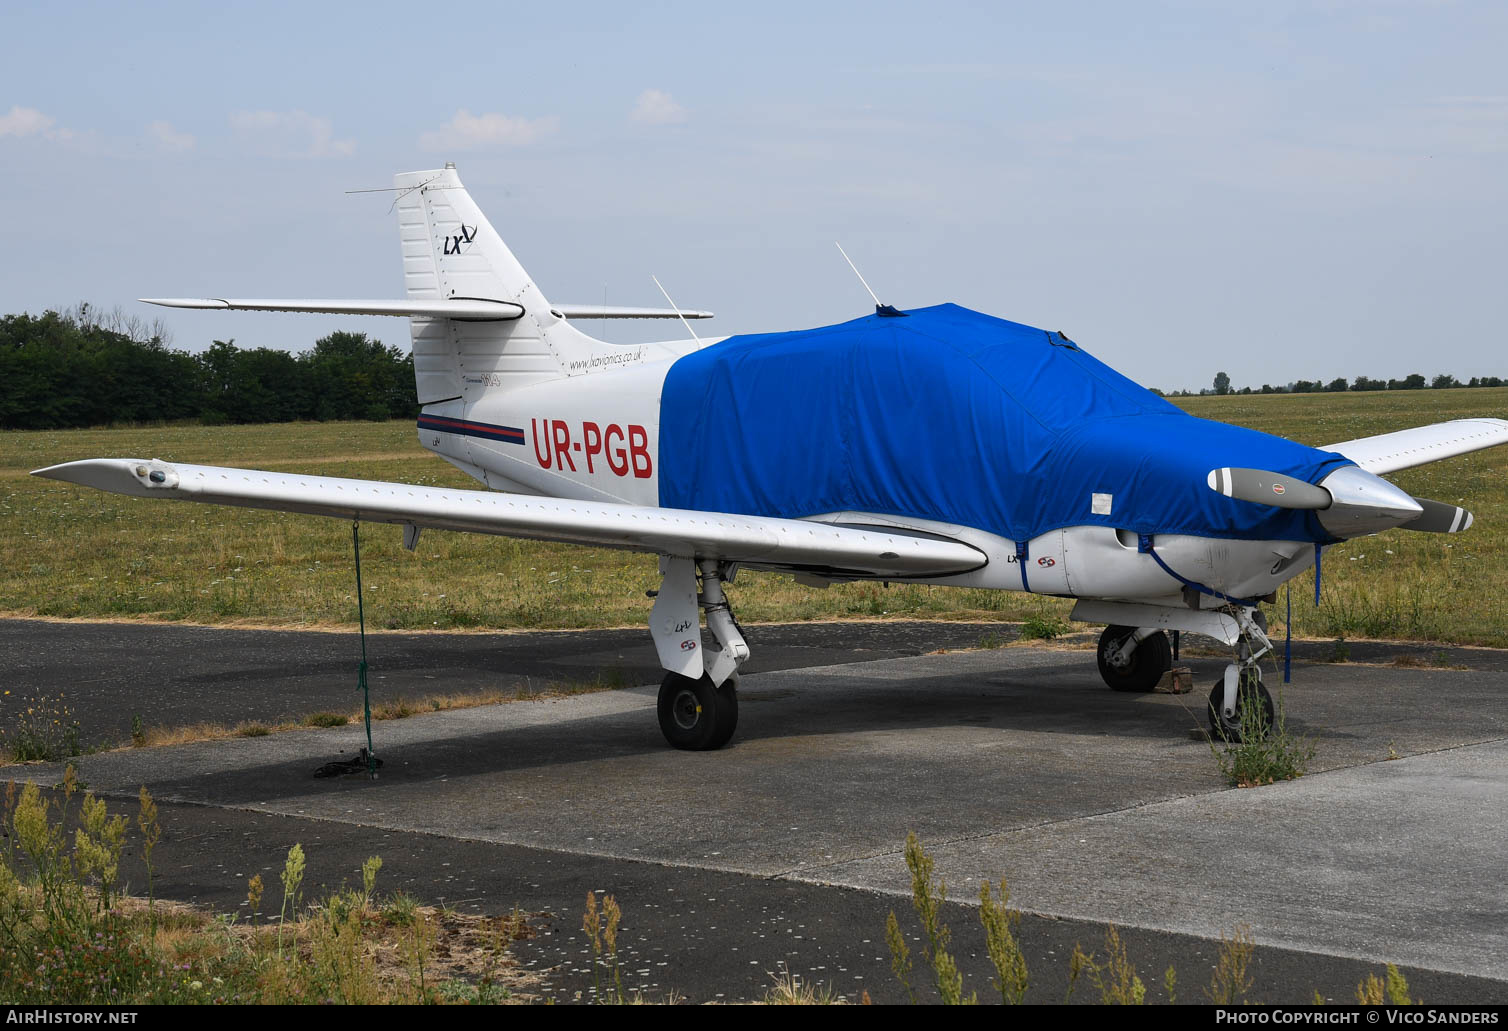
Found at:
[451, 251]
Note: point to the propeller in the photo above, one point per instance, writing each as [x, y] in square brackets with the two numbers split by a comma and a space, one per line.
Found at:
[1439, 517]
[1351, 502]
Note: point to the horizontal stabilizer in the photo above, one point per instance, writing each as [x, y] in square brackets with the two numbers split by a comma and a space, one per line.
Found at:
[1439, 517]
[1404, 449]
[793, 544]
[603, 311]
[462, 309]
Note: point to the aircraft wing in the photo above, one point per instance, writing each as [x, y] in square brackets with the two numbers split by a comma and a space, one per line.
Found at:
[1404, 449]
[756, 540]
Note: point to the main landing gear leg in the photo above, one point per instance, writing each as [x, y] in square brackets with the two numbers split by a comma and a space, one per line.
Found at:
[1240, 697]
[698, 703]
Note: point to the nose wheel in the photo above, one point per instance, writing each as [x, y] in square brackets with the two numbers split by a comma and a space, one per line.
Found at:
[1254, 710]
[694, 715]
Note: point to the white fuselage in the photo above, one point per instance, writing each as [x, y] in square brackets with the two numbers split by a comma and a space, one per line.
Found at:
[595, 436]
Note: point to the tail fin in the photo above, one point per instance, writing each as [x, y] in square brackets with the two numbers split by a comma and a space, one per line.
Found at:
[451, 252]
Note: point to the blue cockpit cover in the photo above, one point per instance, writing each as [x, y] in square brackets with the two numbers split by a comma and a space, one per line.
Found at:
[951, 415]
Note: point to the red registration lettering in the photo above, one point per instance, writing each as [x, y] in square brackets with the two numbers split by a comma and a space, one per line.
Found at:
[562, 435]
[534, 429]
[593, 435]
[638, 447]
[617, 457]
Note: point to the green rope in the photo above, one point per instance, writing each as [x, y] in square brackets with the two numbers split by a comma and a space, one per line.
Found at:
[361, 671]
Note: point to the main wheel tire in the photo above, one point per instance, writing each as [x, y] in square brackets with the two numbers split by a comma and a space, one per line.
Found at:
[1250, 692]
[727, 713]
[1153, 657]
[688, 711]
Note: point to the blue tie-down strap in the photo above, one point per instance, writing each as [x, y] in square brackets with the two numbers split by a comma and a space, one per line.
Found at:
[1317, 552]
[1144, 546]
[1288, 641]
[1022, 553]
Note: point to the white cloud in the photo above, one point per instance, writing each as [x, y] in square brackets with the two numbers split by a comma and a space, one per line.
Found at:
[467, 131]
[291, 132]
[656, 107]
[170, 139]
[28, 121]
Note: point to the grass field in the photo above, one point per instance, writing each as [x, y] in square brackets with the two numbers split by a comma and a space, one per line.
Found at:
[74, 553]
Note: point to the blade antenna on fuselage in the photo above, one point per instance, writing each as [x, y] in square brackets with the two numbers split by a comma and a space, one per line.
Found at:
[677, 311]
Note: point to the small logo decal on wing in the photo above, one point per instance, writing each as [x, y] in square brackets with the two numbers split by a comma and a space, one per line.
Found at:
[1277, 488]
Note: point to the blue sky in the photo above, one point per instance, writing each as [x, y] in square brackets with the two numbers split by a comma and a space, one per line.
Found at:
[1278, 190]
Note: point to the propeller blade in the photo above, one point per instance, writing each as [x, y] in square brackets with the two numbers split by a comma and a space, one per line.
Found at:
[1439, 517]
[1265, 488]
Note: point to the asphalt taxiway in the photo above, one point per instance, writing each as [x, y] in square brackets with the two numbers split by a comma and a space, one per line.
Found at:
[785, 847]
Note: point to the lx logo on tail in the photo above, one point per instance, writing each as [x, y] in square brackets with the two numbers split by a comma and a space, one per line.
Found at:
[453, 244]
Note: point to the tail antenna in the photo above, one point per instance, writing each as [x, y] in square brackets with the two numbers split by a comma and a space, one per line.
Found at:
[677, 311]
[879, 309]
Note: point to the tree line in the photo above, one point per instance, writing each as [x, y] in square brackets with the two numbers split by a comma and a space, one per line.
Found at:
[84, 368]
[1416, 381]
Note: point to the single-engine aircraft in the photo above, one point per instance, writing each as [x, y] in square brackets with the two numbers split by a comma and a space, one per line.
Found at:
[936, 445]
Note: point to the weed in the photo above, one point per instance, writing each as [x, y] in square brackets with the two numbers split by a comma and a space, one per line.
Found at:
[1043, 628]
[1265, 754]
[254, 890]
[928, 900]
[138, 731]
[788, 989]
[1000, 941]
[151, 834]
[1115, 979]
[1232, 979]
[464, 993]
[601, 926]
[991, 641]
[1170, 984]
[325, 719]
[67, 936]
[293, 880]
[417, 948]
[1340, 651]
[900, 955]
[1394, 991]
[252, 730]
[44, 730]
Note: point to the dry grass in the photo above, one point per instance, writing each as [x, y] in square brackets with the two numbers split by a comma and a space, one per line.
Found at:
[74, 553]
[396, 709]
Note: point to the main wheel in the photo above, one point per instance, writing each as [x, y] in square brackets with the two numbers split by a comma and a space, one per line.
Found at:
[1153, 657]
[1251, 692]
[689, 711]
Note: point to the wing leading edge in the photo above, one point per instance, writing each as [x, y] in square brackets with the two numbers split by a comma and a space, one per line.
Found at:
[1404, 449]
[756, 540]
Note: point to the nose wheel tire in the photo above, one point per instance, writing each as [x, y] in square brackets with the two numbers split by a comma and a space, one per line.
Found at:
[1153, 657]
[1252, 692]
[694, 715]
